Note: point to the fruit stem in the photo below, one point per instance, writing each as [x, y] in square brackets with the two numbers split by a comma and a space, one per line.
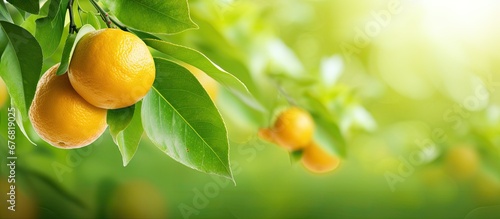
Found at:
[118, 23]
[109, 20]
[72, 25]
[104, 15]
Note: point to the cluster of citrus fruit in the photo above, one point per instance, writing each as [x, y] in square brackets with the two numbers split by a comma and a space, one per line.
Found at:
[109, 69]
[294, 130]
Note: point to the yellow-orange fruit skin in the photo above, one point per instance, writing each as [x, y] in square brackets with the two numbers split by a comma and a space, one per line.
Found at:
[63, 118]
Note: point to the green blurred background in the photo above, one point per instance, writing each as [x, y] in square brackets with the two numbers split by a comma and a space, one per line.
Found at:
[407, 82]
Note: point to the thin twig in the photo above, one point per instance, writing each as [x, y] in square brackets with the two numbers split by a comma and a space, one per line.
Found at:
[109, 20]
[104, 15]
[288, 98]
[72, 25]
[118, 23]
[80, 13]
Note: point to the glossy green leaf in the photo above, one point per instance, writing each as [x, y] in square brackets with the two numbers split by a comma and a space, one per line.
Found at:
[49, 29]
[31, 6]
[69, 48]
[4, 12]
[20, 66]
[154, 16]
[143, 35]
[29, 24]
[119, 119]
[327, 134]
[92, 20]
[200, 61]
[125, 126]
[180, 119]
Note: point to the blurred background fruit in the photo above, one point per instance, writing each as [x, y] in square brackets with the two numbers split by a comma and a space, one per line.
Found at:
[486, 189]
[293, 129]
[210, 85]
[462, 162]
[318, 160]
[4, 95]
[137, 199]
[26, 207]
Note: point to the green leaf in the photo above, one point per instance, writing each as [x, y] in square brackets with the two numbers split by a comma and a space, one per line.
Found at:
[4, 13]
[69, 47]
[92, 20]
[200, 61]
[125, 126]
[154, 16]
[20, 66]
[118, 119]
[143, 35]
[180, 119]
[327, 134]
[30, 6]
[295, 156]
[49, 29]
[30, 23]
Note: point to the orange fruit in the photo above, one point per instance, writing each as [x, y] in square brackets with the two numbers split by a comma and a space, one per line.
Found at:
[208, 83]
[462, 162]
[317, 160]
[293, 129]
[267, 135]
[111, 68]
[137, 199]
[3, 93]
[61, 117]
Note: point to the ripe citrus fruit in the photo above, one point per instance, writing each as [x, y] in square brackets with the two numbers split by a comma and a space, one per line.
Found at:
[210, 85]
[137, 199]
[293, 129]
[462, 162]
[318, 160]
[267, 135]
[62, 117]
[3, 93]
[111, 68]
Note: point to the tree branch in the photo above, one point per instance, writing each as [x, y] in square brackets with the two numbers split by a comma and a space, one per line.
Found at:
[104, 15]
[109, 20]
[72, 26]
